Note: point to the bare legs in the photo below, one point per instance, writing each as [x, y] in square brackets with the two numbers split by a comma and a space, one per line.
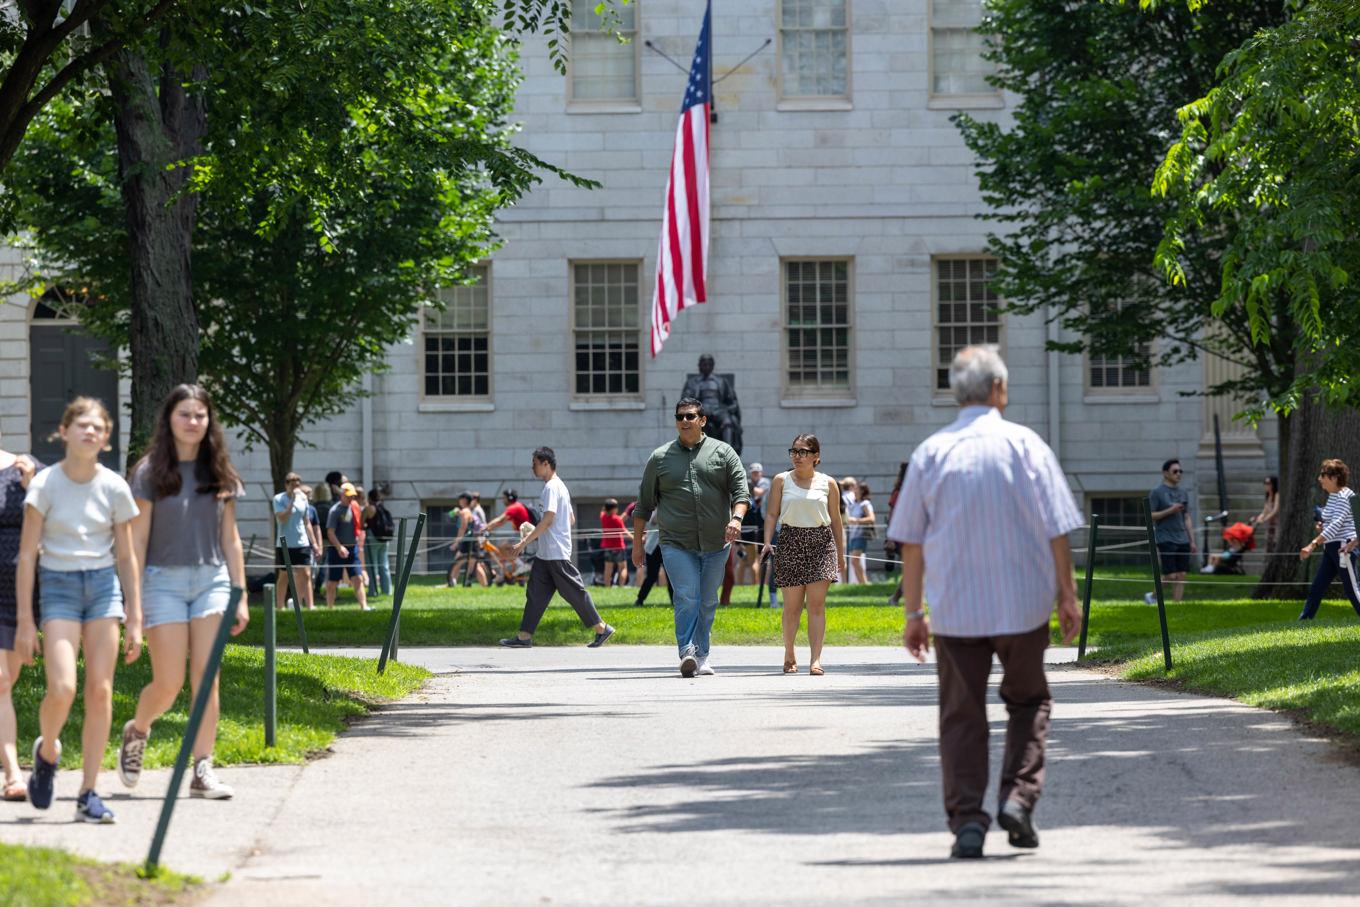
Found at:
[62, 642]
[9, 726]
[813, 596]
[171, 646]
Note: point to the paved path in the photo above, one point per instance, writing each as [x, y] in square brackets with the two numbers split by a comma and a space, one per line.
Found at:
[567, 776]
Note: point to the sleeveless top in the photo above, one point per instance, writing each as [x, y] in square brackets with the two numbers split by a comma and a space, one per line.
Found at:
[805, 507]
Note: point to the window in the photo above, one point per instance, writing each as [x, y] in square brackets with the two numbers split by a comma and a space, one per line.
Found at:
[817, 327]
[1116, 374]
[458, 341]
[814, 49]
[604, 71]
[605, 320]
[965, 310]
[956, 63]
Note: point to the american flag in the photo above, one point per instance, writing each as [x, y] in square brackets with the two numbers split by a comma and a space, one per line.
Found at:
[682, 253]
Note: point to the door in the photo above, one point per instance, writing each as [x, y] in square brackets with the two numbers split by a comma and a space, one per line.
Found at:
[64, 364]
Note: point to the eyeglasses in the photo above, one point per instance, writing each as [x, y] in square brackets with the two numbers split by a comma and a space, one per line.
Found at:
[801, 452]
[688, 417]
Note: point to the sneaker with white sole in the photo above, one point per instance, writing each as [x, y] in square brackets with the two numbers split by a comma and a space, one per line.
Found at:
[688, 662]
[130, 754]
[90, 808]
[206, 783]
[1150, 597]
[705, 668]
[42, 780]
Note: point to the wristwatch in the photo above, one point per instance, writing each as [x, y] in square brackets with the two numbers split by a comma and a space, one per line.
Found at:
[916, 615]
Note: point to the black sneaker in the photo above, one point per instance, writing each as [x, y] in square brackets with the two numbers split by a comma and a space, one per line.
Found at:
[43, 778]
[600, 637]
[1019, 824]
[968, 842]
[688, 663]
[514, 642]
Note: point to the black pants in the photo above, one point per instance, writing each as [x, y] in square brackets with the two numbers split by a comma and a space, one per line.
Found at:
[652, 575]
[1322, 581]
[562, 577]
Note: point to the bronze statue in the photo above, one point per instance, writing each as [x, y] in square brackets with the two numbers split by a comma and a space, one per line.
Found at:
[719, 399]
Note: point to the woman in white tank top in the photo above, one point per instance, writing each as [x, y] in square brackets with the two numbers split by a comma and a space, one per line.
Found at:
[811, 552]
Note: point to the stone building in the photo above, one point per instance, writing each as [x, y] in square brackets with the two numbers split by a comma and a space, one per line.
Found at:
[846, 266]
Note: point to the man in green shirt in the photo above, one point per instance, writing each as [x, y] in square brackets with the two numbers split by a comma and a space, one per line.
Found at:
[697, 486]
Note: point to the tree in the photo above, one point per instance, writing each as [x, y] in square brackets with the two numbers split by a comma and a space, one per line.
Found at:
[46, 46]
[1273, 149]
[328, 209]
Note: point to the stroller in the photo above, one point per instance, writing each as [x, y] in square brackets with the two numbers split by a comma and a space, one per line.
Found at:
[1238, 539]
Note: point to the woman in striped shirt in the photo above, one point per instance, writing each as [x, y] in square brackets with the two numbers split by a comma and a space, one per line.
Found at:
[1338, 528]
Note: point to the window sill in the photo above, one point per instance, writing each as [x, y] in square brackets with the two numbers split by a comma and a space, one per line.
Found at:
[944, 401]
[965, 102]
[455, 406]
[580, 406]
[814, 104]
[817, 402]
[1119, 398]
[592, 107]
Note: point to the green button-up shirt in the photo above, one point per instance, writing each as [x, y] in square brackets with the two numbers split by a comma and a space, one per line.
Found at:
[693, 490]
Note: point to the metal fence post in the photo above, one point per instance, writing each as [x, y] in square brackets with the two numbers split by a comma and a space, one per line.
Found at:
[271, 674]
[401, 559]
[1090, 576]
[400, 592]
[1157, 584]
[205, 688]
[297, 599]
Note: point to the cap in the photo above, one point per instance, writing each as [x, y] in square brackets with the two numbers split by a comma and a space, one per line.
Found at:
[348, 488]
[756, 467]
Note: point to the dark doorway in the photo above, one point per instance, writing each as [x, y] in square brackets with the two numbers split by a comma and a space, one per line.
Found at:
[66, 362]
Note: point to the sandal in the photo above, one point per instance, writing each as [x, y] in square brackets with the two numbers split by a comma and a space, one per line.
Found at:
[816, 671]
[790, 667]
[15, 791]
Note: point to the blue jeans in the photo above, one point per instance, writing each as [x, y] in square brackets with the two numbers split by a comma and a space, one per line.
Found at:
[1327, 571]
[379, 571]
[695, 576]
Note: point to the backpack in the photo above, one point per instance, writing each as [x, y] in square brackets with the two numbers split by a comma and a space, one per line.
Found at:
[535, 515]
[381, 523]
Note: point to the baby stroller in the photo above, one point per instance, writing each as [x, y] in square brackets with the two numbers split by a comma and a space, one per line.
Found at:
[1238, 539]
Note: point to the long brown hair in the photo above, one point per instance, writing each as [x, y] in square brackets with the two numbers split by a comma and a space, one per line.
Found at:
[212, 469]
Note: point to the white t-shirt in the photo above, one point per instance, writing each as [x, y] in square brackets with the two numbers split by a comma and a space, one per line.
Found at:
[555, 543]
[78, 518]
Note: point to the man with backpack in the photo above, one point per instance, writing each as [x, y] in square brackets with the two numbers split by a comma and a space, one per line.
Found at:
[380, 527]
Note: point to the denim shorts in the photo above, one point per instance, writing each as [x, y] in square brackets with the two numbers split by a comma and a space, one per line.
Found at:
[177, 595]
[859, 543]
[80, 595]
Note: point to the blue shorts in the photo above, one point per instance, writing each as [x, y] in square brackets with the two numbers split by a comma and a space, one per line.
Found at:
[338, 566]
[858, 544]
[177, 595]
[80, 595]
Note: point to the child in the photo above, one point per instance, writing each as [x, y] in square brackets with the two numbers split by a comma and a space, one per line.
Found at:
[80, 514]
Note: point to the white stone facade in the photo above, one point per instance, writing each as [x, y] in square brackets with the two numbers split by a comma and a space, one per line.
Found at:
[880, 179]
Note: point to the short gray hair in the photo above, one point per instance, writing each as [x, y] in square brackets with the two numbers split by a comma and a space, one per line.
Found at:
[973, 373]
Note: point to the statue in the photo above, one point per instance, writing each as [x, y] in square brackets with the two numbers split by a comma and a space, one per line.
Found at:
[719, 398]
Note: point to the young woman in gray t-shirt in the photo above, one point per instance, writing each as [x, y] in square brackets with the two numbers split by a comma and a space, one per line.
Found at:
[186, 535]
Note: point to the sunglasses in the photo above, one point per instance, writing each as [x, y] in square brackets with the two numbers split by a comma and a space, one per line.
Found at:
[1174, 472]
[801, 452]
[688, 417]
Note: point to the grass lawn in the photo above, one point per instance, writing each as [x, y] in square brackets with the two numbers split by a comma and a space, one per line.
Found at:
[317, 695]
[43, 877]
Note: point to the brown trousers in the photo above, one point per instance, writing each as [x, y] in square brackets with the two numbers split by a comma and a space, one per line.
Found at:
[964, 663]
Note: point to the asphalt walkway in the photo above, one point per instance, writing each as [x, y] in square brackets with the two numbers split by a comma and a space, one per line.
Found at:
[575, 776]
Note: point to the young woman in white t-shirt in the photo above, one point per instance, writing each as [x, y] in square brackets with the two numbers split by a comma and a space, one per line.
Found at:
[79, 513]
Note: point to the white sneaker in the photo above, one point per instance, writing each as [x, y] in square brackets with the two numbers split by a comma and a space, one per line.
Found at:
[1150, 598]
[705, 668]
[206, 783]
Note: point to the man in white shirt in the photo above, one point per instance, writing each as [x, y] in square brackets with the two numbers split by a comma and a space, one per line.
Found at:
[982, 521]
[553, 570]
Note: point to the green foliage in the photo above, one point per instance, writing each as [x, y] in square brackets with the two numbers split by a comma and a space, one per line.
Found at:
[47, 877]
[1098, 85]
[357, 153]
[1274, 149]
[318, 695]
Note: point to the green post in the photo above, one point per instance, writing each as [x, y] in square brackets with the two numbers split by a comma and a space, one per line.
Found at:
[186, 747]
[1086, 593]
[401, 559]
[271, 673]
[297, 599]
[400, 592]
[1157, 584]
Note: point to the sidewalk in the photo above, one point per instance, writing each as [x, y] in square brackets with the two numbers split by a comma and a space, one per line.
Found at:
[573, 776]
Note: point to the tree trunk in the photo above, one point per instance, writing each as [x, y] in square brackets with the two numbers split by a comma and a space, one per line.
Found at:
[1309, 435]
[281, 433]
[158, 125]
